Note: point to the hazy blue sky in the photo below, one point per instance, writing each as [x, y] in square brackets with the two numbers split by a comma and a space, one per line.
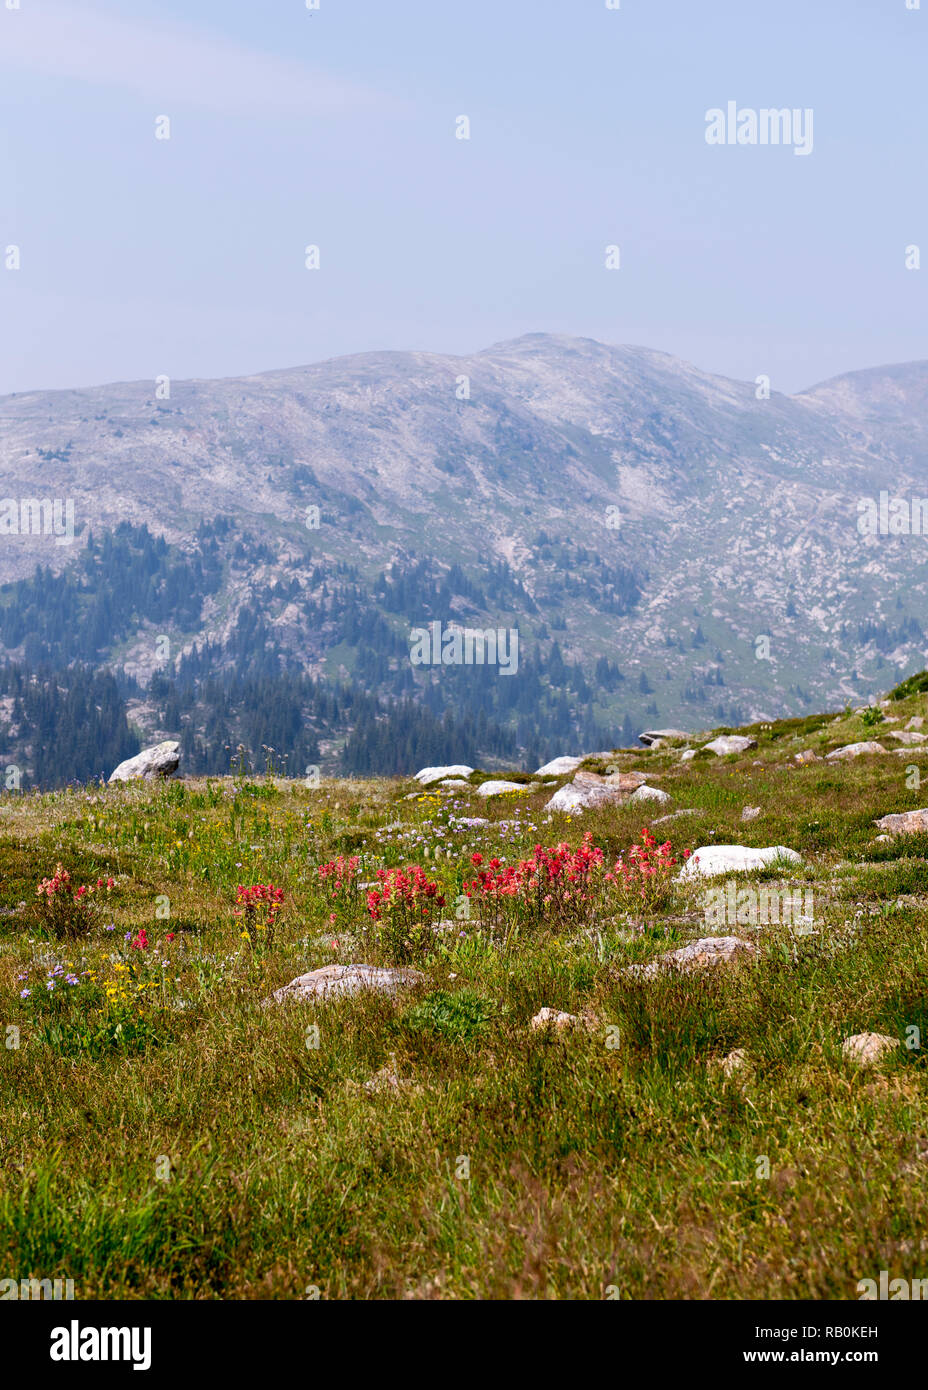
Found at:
[337, 127]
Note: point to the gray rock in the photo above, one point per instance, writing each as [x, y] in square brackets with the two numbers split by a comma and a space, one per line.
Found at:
[750, 813]
[645, 793]
[730, 743]
[908, 736]
[904, 822]
[161, 760]
[559, 767]
[686, 811]
[334, 981]
[853, 750]
[500, 788]
[707, 952]
[650, 737]
[807, 756]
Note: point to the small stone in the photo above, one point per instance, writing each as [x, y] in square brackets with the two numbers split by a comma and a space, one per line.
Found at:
[688, 755]
[553, 1018]
[651, 737]
[750, 813]
[807, 756]
[866, 1049]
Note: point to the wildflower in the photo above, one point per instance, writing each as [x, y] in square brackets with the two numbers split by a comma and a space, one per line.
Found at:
[25, 993]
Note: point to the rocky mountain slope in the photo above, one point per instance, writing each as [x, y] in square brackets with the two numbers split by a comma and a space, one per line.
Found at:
[704, 540]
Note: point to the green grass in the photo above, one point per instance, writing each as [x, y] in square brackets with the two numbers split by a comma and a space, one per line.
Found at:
[209, 1149]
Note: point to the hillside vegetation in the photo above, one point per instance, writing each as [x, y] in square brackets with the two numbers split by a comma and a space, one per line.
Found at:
[691, 1134]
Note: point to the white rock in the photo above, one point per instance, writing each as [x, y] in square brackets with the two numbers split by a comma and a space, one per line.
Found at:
[688, 755]
[335, 980]
[868, 1048]
[559, 767]
[498, 788]
[709, 860]
[708, 951]
[454, 784]
[730, 743]
[807, 756]
[915, 722]
[553, 1018]
[750, 813]
[686, 811]
[427, 775]
[159, 761]
[853, 750]
[908, 736]
[649, 794]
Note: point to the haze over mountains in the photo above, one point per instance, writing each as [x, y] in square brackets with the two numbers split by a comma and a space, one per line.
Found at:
[632, 516]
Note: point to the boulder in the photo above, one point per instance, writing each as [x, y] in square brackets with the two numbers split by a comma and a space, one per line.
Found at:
[650, 737]
[427, 775]
[703, 954]
[568, 799]
[590, 789]
[162, 760]
[333, 981]
[709, 860]
[497, 787]
[807, 756]
[646, 793]
[908, 736]
[688, 755]
[915, 722]
[853, 750]
[730, 743]
[866, 1049]
[904, 822]
[559, 767]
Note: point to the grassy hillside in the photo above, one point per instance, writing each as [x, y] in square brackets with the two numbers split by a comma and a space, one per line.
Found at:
[163, 1135]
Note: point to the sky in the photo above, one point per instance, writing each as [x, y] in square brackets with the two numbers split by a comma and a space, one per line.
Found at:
[337, 127]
